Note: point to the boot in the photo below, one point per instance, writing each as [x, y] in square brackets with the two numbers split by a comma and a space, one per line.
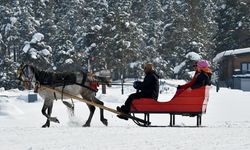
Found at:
[119, 109]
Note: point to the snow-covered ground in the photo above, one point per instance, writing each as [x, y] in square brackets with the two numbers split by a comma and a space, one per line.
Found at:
[225, 126]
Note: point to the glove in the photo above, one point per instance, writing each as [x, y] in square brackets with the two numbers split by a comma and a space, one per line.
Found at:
[136, 84]
[179, 87]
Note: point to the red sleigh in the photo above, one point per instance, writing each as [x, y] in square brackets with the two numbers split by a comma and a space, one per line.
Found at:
[189, 103]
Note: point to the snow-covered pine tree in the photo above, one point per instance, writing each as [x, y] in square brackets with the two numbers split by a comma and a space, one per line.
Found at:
[123, 37]
[190, 28]
[16, 23]
[69, 22]
[152, 26]
[94, 37]
[36, 52]
[233, 22]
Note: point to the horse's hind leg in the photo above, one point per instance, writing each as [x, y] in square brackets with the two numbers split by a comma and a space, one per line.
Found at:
[92, 110]
[103, 120]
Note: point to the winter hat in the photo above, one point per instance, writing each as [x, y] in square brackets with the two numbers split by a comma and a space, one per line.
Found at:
[149, 66]
[202, 63]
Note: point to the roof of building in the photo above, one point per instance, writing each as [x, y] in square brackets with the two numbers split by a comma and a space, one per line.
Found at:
[242, 76]
[219, 56]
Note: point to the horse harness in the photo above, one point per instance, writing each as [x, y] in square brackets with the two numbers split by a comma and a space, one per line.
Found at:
[52, 79]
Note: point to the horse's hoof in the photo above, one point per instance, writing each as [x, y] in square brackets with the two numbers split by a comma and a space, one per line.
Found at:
[54, 119]
[86, 125]
[45, 126]
[105, 122]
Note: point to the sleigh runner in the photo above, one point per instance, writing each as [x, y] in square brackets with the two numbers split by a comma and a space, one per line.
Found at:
[189, 103]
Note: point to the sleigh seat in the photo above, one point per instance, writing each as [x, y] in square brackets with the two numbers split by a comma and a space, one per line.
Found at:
[188, 103]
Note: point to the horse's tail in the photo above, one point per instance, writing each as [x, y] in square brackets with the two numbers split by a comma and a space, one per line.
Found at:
[70, 107]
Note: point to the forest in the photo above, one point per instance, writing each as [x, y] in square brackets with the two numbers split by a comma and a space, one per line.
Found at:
[117, 35]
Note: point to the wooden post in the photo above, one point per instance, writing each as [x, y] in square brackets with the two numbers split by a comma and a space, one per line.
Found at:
[122, 80]
[103, 89]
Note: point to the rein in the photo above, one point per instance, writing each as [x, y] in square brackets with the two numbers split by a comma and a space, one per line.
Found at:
[82, 85]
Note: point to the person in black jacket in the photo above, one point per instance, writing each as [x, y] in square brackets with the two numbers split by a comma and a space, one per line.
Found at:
[203, 79]
[149, 88]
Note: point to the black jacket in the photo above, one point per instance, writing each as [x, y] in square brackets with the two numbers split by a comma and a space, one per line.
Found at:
[202, 80]
[149, 88]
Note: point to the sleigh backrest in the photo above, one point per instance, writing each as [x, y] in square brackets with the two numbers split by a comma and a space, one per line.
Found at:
[189, 101]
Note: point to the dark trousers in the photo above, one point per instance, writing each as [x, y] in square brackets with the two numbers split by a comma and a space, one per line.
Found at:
[126, 107]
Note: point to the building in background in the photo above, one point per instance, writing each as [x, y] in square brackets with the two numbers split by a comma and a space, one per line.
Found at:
[234, 68]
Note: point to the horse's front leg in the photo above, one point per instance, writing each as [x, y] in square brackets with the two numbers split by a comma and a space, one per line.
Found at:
[44, 109]
[103, 120]
[91, 113]
[48, 105]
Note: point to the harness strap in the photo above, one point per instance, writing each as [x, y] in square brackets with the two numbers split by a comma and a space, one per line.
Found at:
[61, 93]
[37, 84]
[87, 87]
[55, 96]
[84, 78]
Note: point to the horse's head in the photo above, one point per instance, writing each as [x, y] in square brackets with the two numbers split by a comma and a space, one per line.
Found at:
[25, 74]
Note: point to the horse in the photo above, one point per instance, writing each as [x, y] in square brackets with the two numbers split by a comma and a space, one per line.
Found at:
[76, 83]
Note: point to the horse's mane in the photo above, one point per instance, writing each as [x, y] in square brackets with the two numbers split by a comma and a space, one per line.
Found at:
[53, 78]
